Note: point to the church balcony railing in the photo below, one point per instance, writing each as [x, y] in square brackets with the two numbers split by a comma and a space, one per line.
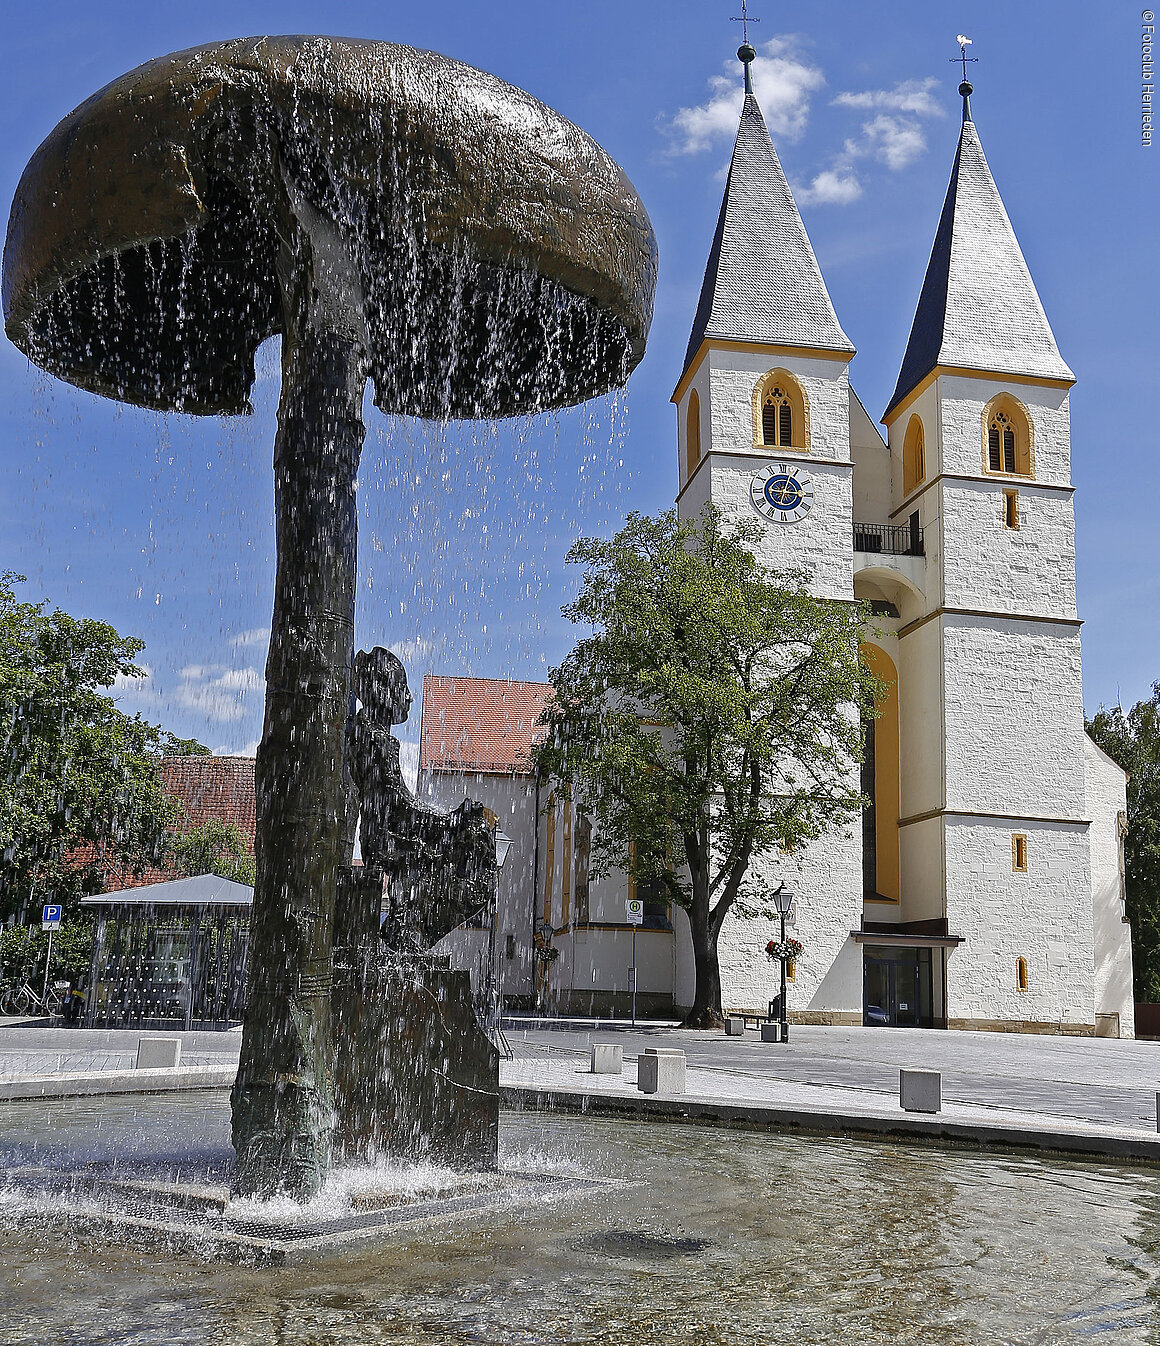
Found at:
[892, 540]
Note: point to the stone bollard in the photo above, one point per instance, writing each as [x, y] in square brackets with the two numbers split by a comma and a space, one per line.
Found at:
[734, 1027]
[158, 1053]
[920, 1090]
[771, 1032]
[607, 1058]
[660, 1070]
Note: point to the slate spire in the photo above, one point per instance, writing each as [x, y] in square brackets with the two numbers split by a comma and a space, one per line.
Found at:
[979, 308]
[762, 282]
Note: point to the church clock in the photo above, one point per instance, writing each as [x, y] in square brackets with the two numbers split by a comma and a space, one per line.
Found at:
[782, 493]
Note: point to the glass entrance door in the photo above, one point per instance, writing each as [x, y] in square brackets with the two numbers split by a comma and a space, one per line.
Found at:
[897, 987]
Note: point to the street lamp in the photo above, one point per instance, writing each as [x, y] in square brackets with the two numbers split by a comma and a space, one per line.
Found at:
[782, 902]
[494, 1003]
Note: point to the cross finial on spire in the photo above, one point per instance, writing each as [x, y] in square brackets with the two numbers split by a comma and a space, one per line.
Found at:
[744, 19]
[745, 52]
[965, 87]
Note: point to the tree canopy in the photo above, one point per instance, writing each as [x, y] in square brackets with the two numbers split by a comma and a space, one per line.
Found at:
[214, 847]
[82, 779]
[1132, 740]
[712, 716]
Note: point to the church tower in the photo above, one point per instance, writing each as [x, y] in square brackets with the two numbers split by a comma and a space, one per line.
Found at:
[764, 417]
[983, 888]
[993, 827]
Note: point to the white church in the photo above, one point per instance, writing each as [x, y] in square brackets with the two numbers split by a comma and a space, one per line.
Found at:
[984, 888]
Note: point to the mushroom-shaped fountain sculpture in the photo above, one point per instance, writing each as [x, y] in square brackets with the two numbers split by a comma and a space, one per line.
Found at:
[394, 215]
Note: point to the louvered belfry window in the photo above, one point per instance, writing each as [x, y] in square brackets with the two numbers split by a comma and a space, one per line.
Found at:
[777, 420]
[1001, 445]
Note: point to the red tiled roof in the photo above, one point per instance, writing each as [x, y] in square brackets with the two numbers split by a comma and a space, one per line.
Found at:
[479, 724]
[208, 788]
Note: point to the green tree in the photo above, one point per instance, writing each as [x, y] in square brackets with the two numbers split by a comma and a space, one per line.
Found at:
[83, 787]
[1132, 740]
[23, 950]
[711, 717]
[215, 847]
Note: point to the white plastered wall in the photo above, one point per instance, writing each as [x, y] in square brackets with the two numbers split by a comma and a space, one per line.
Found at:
[1107, 803]
[1043, 915]
[961, 440]
[873, 488]
[512, 799]
[1014, 718]
[827, 987]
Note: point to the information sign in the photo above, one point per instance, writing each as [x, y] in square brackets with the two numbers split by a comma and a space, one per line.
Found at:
[50, 919]
[634, 909]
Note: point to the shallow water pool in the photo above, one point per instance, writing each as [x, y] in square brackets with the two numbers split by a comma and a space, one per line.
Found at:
[714, 1236]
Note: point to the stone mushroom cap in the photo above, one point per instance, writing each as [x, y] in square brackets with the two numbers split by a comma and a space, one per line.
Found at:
[503, 262]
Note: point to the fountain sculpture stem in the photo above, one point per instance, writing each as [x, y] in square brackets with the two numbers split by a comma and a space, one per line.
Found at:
[283, 1108]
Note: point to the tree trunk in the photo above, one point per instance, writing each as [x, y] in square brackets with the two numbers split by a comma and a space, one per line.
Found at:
[706, 1007]
[283, 1112]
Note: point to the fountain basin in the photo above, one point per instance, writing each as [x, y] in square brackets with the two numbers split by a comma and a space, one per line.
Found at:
[702, 1235]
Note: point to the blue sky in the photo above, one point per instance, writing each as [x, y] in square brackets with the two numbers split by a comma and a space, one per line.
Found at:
[163, 525]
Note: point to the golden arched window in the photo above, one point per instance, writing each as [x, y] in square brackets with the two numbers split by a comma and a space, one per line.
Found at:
[780, 413]
[913, 456]
[1022, 978]
[1007, 445]
[692, 434]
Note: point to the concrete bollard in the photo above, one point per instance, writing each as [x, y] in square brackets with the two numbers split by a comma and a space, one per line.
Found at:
[660, 1070]
[734, 1027]
[771, 1032]
[920, 1090]
[607, 1058]
[158, 1053]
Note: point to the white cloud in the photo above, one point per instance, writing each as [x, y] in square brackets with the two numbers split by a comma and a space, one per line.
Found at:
[217, 691]
[416, 651]
[836, 186]
[893, 141]
[783, 82]
[910, 95]
[232, 749]
[257, 635]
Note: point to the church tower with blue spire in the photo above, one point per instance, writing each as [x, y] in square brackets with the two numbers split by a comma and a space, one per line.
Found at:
[983, 888]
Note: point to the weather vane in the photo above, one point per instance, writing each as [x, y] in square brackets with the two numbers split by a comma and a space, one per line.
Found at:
[744, 19]
[964, 43]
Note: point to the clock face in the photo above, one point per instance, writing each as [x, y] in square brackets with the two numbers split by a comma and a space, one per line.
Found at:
[782, 493]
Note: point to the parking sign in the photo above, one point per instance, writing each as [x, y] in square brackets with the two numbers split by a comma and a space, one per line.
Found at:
[51, 919]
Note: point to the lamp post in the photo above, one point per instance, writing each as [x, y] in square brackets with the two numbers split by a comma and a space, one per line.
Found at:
[494, 996]
[783, 902]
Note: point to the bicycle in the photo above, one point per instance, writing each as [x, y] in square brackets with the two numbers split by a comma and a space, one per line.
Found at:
[21, 999]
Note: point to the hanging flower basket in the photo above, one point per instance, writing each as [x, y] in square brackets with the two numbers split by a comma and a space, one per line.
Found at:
[789, 952]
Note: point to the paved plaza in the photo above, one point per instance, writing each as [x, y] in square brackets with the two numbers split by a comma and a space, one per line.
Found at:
[1090, 1095]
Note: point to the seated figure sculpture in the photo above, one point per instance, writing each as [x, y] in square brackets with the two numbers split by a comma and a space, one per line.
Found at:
[415, 1076]
[440, 866]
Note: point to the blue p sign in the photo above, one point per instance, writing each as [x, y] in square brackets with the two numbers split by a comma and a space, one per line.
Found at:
[51, 919]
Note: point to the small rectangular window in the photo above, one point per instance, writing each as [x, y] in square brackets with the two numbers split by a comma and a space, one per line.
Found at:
[1019, 852]
[790, 969]
[1010, 509]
